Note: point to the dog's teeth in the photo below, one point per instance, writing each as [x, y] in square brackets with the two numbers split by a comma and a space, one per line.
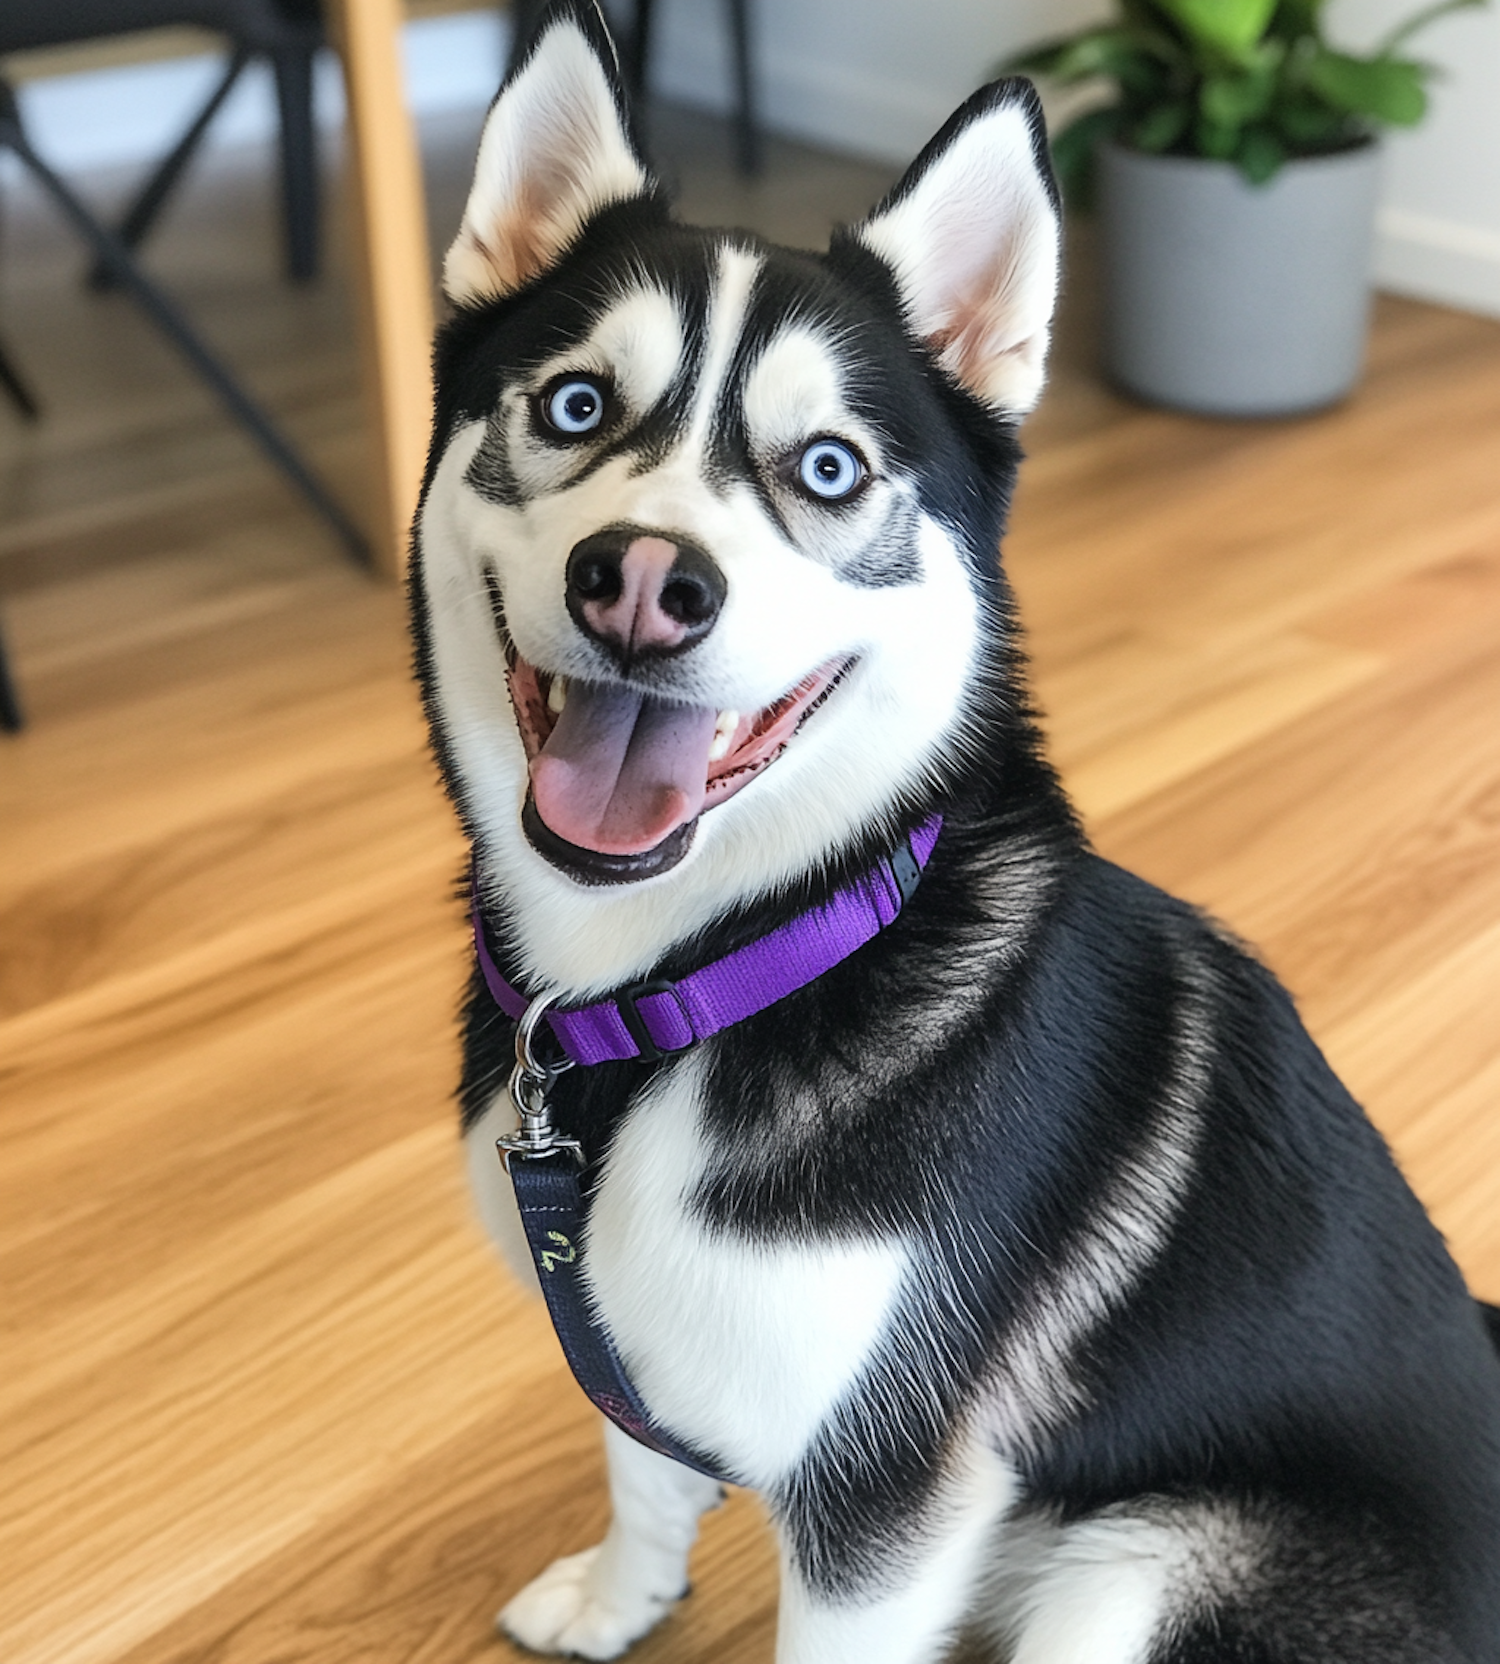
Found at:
[557, 695]
[723, 735]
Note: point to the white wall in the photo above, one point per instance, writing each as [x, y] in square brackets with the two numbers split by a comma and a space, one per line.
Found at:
[876, 77]
[879, 76]
[1439, 227]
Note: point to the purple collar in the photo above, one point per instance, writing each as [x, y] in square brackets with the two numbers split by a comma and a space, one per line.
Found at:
[650, 1019]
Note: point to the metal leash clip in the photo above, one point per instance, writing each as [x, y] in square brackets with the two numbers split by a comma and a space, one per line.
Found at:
[530, 1082]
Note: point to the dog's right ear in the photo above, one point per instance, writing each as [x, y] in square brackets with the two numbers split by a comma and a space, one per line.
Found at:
[557, 147]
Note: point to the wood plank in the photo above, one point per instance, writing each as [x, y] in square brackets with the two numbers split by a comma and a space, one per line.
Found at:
[266, 1396]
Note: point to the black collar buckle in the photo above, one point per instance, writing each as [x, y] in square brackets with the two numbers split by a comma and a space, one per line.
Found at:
[635, 1023]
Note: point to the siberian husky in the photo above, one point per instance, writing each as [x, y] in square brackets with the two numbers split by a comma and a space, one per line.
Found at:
[1027, 1259]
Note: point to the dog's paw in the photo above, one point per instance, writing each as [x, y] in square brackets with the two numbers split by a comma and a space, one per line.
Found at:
[567, 1610]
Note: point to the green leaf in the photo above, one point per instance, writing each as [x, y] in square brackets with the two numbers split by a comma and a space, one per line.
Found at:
[1299, 19]
[1161, 127]
[1232, 100]
[1064, 60]
[1244, 80]
[1260, 155]
[1387, 89]
[1214, 140]
[1150, 80]
[1231, 27]
[1103, 53]
[1308, 125]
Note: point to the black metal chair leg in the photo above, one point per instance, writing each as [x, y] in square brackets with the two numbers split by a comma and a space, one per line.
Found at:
[638, 51]
[143, 212]
[637, 64]
[108, 248]
[524, 17]
[11, 718]
[747, 133]
[293, 67]
[14, 384]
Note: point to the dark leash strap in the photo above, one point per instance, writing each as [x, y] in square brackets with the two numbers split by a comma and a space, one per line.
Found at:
[551, 1204]
[545, 1168]
[545, 1165]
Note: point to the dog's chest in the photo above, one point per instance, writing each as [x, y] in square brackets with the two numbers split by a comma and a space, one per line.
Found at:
[741, 1348]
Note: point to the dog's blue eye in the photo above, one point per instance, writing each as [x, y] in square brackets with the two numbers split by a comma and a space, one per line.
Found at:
[575, 406]
[830, 470]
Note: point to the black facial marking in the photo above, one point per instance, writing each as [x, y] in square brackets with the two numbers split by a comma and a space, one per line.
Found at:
[922, 423]
[490, 472]
[890, 557]
[930, 433]
[498, 348]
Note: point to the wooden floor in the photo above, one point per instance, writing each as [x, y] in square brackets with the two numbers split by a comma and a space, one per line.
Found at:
[264, 1397]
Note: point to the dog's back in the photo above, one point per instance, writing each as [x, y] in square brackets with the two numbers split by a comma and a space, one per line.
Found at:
[1299, 1377]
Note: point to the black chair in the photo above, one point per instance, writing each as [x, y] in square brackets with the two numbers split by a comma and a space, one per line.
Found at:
[288, 34]
[10, 705]
[286, 31]
[637, 58]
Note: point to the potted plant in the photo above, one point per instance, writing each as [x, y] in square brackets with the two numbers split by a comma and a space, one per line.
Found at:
[1235, 170]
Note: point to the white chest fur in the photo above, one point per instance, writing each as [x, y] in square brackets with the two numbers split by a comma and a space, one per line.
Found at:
[741, 1348]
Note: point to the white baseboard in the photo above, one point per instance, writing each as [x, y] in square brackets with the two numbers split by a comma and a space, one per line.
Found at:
[1438, 260]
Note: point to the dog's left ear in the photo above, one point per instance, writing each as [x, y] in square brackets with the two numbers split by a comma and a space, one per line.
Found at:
[971, 234]
[557, 147]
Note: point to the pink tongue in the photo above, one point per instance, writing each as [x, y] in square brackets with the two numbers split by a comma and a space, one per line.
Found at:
[622, 770]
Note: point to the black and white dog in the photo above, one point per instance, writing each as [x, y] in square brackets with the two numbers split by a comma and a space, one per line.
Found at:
[1027, 1258]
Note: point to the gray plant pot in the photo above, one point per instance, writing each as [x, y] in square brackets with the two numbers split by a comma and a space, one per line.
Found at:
[1236, 299]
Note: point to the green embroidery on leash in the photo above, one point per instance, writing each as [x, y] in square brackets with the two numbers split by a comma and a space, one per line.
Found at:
[551, 1259]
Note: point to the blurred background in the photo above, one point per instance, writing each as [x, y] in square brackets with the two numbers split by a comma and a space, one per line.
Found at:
[265, 1395]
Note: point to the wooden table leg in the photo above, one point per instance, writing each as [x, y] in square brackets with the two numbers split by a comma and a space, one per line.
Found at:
[394, 274]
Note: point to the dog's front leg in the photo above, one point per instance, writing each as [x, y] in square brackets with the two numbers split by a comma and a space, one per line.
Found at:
[851, 1593]
[596, 1603]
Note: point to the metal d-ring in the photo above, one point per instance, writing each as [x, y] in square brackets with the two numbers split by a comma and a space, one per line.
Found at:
[530, 1082]
[526, 1058]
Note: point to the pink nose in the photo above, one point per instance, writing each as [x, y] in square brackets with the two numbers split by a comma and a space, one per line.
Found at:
[637, 593]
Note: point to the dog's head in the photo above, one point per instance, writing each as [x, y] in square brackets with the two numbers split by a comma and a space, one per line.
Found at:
[706, 574]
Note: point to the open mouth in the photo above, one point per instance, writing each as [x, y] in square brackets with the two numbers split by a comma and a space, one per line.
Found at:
[620, 777]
